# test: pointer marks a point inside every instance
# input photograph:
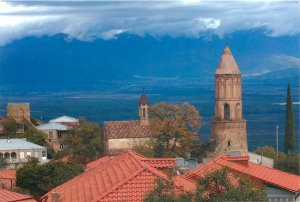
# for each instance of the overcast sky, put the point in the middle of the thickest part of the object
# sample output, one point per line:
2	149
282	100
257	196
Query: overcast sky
90	20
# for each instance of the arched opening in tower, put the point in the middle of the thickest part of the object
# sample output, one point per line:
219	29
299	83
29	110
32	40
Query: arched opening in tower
226	111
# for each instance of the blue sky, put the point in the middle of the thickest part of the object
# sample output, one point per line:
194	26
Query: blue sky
89	20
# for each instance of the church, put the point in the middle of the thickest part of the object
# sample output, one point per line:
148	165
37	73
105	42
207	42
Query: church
122	135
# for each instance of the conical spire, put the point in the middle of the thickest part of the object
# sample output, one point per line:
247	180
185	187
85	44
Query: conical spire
143	100
227	63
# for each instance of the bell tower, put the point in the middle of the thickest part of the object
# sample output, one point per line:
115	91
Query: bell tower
228	128
143	110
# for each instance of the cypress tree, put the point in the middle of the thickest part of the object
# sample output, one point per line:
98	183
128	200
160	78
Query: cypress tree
289	139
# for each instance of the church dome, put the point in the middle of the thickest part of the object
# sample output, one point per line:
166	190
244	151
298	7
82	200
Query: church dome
143	100
227	65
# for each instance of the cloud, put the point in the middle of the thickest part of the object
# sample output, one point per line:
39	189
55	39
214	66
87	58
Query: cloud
88	20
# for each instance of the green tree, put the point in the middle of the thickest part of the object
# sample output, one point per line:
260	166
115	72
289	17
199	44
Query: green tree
10	127
85	143
164	191
289	138
289	163
267	151
174	126
34	136
39	179
220	186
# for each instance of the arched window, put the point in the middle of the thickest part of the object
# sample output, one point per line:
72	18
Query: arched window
226	111
238	114
1	156
6	155
13	155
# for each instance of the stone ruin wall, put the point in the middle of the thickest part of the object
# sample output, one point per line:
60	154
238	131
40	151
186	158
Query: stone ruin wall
18	111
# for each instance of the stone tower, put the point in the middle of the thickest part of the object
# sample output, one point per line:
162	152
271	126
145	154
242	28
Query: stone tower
228	128
18	111
143	110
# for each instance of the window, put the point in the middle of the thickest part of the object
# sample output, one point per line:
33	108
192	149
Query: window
228	143
61	146
13	155
21	155
58	134
226	111
28	154
144	113
50	134
43	153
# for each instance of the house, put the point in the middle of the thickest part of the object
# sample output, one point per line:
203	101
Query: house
7	179
16	151
122	135
280	186
55	133
66	120
10	196
126	177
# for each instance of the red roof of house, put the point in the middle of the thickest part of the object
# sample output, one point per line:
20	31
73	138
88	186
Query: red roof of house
126	129
9	196
126	177
8	174
242	165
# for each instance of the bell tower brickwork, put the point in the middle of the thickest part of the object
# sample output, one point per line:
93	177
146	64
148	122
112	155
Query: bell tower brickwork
143	110
228	128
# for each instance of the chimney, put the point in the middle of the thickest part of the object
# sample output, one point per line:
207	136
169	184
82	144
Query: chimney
55	197
8	140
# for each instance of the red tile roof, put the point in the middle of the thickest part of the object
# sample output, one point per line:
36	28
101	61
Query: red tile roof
9	196
240	165
126	177
126	129
8	174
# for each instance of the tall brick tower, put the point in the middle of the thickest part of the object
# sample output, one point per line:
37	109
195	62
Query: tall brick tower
228	128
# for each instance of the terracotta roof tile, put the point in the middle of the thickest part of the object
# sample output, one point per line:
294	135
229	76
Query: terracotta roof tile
126	129
126	177
9	196
267	175
8	174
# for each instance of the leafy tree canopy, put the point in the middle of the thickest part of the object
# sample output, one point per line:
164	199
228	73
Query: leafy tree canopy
10	127
34	136
165	192
289	163
85	143
219	185
39	179
175	126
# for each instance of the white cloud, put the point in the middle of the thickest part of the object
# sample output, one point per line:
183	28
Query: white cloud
86	20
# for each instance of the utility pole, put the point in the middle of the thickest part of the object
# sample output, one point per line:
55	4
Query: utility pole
277	127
